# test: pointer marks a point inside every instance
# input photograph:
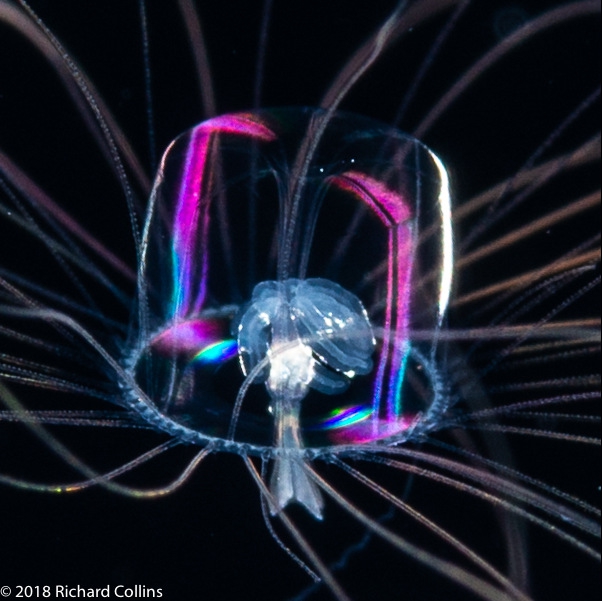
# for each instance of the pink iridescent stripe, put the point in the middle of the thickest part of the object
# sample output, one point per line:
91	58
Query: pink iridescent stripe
392	209
191	220
388	205
398	280
375	429
188	337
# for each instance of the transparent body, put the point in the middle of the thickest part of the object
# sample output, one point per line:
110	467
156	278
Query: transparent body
332	353
501	382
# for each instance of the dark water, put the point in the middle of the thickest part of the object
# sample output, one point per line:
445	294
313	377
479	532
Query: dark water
208	541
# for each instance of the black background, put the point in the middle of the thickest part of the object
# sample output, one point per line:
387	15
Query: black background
208	541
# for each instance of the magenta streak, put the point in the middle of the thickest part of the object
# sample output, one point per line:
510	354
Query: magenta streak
192	208
393	211
384	354
186	218
379	428
403	247
188	337
387	204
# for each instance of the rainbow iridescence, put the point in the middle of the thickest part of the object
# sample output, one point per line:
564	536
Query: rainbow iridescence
290	295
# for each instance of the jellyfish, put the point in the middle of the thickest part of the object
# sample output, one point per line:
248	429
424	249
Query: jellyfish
356	338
